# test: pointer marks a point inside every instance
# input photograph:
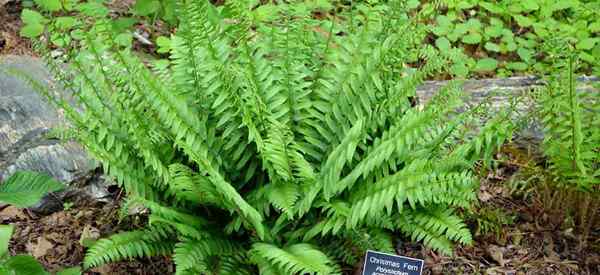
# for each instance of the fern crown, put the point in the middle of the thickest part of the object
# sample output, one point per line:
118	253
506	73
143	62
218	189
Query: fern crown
296	136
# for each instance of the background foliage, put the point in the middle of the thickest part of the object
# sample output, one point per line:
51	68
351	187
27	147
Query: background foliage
509	36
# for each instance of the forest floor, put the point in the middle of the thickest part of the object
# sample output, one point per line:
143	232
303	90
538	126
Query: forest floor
515	234
521	227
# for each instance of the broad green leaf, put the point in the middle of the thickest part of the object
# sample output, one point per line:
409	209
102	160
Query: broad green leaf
491	7
587	57
493	31
443	44
265	13
6	232
25	188
491	46
587	43
69	5
511	46
25	264
461	29
443	25
474	25
49	5
525	54
32	17
594	27
123	23
523	21
70	271
60	40
496	22
540	29
169	12
412	4
164	44
563	5
146	7
65	22
32	30
77	34
463	5
517	66
124	39
529	5
459	69
515	8
93	9
486	64
472	38
596	51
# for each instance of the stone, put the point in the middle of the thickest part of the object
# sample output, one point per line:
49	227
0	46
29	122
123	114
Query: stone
500	92
25	121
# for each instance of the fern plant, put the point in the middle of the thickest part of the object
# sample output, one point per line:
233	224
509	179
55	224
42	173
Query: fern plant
570	115
571	134
286	146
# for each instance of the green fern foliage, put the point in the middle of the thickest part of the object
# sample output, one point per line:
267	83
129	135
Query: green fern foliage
128	245
261	144
299	258
570	119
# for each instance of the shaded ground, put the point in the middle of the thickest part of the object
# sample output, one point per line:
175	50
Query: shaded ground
516	232
513	234
10	24
58	240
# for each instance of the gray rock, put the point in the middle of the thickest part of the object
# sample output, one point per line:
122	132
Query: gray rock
25	120
500	92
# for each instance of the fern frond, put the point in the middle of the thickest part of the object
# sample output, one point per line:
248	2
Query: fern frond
195	254
187	185
432	239
128	245
297	258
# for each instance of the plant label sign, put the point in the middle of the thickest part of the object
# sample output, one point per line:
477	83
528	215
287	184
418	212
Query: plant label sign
377	263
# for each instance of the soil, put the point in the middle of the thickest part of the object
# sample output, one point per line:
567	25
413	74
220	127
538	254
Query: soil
538	240
10	24
58	240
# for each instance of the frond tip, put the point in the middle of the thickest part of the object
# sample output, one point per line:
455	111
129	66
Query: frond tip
128	245
297	258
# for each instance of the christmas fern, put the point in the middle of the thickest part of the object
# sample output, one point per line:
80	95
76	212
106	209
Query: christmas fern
571	134
281	146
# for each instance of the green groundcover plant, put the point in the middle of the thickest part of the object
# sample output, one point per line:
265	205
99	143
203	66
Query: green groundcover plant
285	145
66	21
507	36
25	189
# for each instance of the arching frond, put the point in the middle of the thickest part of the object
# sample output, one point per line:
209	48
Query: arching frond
297	258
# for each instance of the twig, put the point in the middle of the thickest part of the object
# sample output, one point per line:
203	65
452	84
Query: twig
140	38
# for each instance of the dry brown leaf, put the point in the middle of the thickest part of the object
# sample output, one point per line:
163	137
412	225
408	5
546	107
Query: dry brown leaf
41	248
496	253
484	196
11	212
89	235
